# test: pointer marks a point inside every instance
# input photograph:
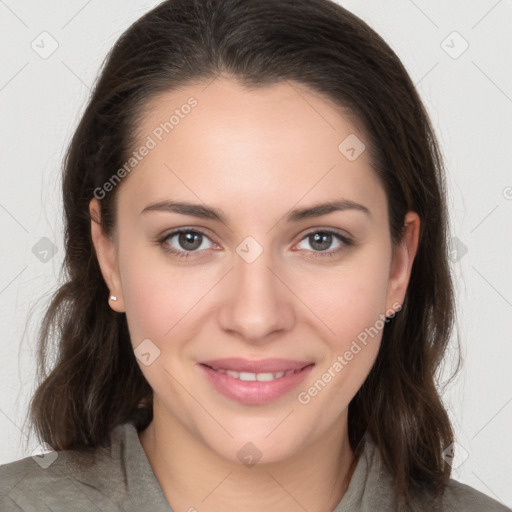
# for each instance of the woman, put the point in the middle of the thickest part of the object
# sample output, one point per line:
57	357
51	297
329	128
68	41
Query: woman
258	293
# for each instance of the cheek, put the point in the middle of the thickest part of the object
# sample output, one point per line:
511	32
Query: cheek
157	296
159	306
351	307
355	331
348	299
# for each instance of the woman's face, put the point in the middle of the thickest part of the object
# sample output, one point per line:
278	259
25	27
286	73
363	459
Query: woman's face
257	274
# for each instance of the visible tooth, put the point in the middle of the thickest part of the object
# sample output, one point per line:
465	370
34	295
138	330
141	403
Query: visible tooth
251	377
263	377
247	376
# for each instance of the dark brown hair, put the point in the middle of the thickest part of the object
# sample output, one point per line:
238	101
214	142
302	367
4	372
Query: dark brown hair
94	382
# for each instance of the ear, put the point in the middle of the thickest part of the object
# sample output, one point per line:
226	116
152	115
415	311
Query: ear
107	257
402	260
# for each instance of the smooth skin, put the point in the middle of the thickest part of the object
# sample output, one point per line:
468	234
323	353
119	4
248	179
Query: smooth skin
254	155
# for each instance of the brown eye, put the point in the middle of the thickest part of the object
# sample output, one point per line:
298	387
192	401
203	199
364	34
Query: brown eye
324	243
320	241
184	241
190	241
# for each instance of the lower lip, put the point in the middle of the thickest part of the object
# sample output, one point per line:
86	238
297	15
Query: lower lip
255	392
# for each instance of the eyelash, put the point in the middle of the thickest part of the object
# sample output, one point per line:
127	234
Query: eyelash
347	242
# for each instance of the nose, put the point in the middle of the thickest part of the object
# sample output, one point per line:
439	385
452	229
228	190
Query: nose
258	303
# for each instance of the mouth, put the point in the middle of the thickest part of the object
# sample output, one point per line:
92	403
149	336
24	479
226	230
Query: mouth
269	365
255	382
255	377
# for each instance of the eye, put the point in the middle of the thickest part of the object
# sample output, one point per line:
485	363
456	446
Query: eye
321	242
186	241
181	242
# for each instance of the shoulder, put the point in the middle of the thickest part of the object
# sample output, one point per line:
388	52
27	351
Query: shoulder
41	483
461	497
372	488
30	481
64	480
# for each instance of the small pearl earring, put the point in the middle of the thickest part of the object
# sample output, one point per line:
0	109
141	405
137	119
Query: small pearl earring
113	297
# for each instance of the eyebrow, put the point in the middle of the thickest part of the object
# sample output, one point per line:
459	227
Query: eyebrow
208	212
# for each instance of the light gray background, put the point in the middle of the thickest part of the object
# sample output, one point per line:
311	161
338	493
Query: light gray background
469	98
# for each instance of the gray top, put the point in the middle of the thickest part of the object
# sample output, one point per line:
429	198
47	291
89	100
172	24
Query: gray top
122	480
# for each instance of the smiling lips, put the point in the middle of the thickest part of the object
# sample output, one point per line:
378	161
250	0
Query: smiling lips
255	382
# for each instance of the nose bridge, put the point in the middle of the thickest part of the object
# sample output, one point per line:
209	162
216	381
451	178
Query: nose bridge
257	304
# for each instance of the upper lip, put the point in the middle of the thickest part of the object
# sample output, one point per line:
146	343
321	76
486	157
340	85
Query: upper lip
239	364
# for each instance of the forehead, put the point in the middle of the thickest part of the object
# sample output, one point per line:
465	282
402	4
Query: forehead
249	148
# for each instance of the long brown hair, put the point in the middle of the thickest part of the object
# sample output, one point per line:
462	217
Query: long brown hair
94	382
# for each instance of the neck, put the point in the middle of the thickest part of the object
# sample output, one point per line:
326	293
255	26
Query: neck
193	477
